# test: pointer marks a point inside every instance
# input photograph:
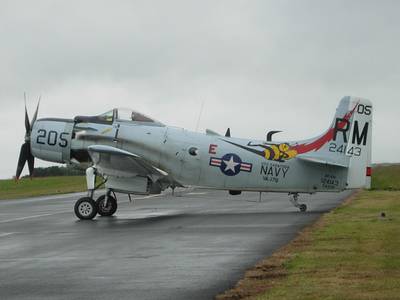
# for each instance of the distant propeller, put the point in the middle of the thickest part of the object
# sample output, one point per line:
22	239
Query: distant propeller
25	154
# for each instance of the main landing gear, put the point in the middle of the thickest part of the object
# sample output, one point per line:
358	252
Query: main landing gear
86	208
294	199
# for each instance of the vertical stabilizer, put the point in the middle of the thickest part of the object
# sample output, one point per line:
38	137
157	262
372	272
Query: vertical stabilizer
346	143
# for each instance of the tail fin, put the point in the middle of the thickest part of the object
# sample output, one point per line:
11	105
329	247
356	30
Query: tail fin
347	142
359	146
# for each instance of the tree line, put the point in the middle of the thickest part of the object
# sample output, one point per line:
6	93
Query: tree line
58	171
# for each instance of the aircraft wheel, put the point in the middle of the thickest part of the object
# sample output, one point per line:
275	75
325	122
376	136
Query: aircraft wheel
303	207
85	208
110	209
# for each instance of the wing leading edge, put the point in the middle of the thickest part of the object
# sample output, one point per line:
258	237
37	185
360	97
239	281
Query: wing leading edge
116	162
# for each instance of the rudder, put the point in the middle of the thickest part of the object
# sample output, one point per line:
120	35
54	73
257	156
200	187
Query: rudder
359	147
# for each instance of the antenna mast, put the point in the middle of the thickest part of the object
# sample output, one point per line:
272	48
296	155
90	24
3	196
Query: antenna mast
198	120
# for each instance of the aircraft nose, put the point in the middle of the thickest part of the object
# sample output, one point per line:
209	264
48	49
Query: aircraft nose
51	139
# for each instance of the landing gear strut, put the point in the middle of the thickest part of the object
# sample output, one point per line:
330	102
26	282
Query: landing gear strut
294	200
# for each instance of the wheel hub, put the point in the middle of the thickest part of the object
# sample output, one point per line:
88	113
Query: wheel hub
85	209
104	207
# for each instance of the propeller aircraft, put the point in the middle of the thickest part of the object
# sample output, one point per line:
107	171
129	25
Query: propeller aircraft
135	154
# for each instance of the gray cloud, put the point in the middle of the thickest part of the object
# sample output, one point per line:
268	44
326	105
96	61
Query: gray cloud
258	65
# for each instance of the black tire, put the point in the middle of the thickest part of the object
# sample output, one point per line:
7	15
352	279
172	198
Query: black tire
85	208
111	207
303	207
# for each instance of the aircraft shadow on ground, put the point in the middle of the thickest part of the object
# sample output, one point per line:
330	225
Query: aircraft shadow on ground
118	222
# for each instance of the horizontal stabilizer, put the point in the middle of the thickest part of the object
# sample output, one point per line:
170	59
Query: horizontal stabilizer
321	161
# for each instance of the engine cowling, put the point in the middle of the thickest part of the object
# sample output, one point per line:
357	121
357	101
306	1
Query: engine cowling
51	139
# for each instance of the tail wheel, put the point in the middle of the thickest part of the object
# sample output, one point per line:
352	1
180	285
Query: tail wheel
303	207
85	208
108	210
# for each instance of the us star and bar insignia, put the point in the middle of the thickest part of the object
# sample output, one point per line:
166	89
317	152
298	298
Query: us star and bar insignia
231	164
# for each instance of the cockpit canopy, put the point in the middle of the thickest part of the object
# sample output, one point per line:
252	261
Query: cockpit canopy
120	114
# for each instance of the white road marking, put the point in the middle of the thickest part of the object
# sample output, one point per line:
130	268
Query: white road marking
30	217
42	198
6	234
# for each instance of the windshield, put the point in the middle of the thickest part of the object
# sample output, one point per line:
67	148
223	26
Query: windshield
107	116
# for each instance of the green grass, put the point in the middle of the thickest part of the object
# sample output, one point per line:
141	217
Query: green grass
386	177
354	255
10	189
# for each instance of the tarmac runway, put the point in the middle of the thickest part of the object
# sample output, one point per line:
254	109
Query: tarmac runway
193	245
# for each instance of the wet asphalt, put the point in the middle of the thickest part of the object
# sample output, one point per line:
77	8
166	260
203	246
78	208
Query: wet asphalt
191	245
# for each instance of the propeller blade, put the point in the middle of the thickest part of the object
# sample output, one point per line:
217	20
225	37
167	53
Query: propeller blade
36	113
23	156
31	163
27	123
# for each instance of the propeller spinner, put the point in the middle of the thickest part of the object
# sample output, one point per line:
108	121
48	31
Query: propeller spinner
25	154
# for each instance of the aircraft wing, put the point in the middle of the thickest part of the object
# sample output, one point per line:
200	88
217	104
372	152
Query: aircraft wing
120	163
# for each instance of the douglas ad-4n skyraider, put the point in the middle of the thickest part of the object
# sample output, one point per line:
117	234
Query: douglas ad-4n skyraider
135	154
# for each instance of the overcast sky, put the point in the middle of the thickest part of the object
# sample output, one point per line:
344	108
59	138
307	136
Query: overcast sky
257	65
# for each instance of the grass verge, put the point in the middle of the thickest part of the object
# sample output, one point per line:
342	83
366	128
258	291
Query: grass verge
350	253
386	177
11	189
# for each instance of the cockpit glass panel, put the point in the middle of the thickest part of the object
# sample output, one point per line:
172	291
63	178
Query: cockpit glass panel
131	115
119	114
138	117
107	116
124	114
